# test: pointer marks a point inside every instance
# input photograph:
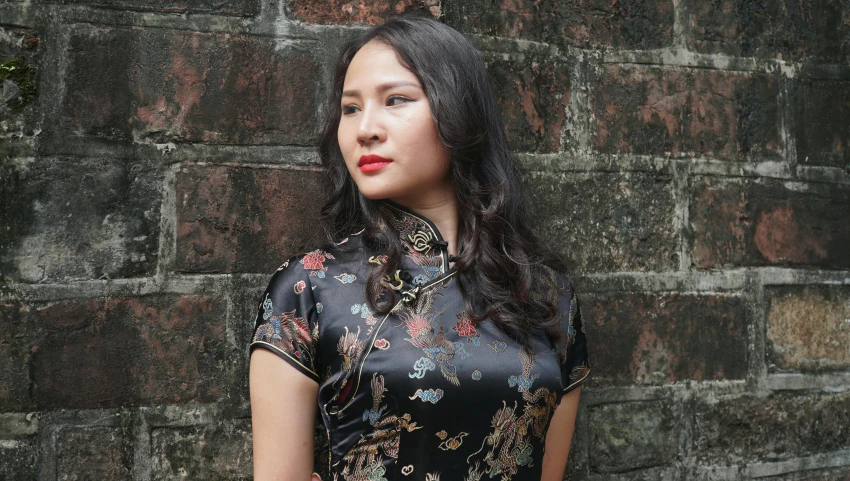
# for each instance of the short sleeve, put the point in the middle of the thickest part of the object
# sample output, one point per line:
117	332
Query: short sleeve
574	361
287	320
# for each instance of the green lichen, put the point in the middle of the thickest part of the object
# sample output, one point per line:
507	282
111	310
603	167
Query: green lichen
23	74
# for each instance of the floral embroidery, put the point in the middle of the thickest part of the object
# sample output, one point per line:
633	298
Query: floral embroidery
442	434
314	262
476	375
299	286
498	346
464	326
382	344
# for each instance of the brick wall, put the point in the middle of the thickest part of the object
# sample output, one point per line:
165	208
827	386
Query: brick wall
691	159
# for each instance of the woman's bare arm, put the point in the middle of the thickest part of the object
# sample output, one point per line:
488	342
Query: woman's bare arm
559	437
283	418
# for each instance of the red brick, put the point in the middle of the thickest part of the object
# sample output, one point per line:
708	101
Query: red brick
370	12
808	328
98	98
122	351
651	110
746	223
242	8
782	29
94	453
630	24
156	85
239	219
664	338
533	95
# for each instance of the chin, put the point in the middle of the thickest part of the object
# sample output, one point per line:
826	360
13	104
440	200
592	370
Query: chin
374	194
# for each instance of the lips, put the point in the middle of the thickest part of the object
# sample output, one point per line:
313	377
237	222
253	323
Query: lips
372	163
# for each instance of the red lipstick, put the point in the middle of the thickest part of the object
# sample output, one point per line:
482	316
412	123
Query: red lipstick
372	163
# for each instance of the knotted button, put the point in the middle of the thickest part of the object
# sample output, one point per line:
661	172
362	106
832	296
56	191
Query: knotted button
438	243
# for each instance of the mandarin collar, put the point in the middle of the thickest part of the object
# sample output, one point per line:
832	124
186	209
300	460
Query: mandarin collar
422	241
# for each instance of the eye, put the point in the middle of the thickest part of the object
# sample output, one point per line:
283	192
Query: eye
396	100
349	109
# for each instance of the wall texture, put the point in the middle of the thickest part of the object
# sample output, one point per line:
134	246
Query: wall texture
691	158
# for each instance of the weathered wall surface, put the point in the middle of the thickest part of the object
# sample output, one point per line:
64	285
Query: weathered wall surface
691	159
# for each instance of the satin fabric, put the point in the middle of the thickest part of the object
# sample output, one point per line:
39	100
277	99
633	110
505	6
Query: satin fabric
419	393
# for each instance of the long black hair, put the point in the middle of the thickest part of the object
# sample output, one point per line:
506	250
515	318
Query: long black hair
500	262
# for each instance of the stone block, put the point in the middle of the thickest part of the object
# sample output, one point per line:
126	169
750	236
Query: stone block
533	92
839	474
822	122
663	111
242	219
737	222
808	328
664	338
216	452
18	335
129	351
370	12
626	24
633	435
607	222
772	428
69	219
94	453
816	30
155	86
19	80
19	459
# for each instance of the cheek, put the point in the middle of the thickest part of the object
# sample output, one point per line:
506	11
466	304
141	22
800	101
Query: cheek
343	138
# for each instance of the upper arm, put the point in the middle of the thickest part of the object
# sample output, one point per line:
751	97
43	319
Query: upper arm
283	377
574	366
559	437
283	418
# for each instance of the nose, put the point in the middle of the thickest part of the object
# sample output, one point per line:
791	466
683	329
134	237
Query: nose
370	128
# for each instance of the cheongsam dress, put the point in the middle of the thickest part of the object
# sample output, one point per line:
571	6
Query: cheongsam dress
420	393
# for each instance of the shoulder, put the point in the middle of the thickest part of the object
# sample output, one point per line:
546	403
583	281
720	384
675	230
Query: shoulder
556	284
312	264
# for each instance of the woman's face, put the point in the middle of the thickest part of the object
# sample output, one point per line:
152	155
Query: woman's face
386	133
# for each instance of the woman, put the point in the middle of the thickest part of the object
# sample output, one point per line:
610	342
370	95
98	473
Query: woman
436	338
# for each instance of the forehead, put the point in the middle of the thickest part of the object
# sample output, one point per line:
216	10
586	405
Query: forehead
376	63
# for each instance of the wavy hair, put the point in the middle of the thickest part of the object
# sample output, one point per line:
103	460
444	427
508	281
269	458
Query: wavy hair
500	264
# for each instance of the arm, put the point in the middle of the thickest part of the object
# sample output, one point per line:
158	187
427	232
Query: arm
559	437
283	418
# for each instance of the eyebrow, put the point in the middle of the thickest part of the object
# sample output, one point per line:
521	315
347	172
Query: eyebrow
383	87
